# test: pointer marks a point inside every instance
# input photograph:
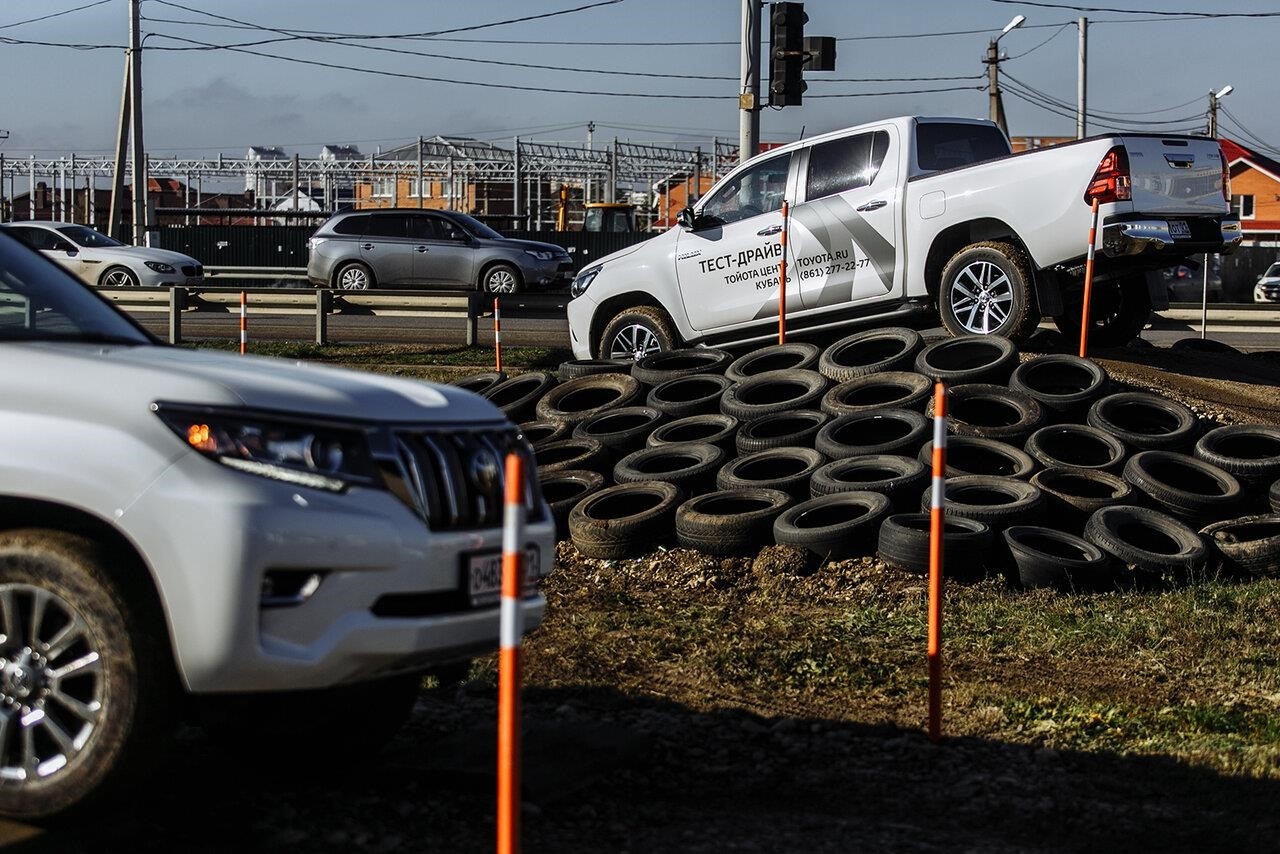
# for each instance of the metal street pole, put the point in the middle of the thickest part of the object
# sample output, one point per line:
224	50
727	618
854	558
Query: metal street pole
135	108
749	97
1082	112
114	223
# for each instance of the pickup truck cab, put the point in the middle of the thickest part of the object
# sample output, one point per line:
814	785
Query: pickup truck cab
188	529
912	216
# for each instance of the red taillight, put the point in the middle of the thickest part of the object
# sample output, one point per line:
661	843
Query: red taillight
1111	181
1226	176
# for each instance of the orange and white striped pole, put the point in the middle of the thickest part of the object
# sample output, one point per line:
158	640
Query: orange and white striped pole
1088	282
497	335
510	630
937	527
782	279
244	321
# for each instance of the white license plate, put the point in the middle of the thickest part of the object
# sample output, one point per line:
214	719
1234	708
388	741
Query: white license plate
1179	230
484	575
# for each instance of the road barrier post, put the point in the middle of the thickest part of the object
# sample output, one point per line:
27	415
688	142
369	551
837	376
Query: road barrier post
244	321
1088	283
937	529
177	304
324	303
473	318
511	629
782	279
497	336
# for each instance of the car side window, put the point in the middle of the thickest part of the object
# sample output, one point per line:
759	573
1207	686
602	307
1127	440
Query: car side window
352	225
845	164
388	225
756	190
36	238
423	227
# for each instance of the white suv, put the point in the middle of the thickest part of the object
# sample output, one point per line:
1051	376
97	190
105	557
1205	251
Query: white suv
184	524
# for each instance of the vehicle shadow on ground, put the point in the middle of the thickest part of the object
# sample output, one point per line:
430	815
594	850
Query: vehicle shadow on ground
609	772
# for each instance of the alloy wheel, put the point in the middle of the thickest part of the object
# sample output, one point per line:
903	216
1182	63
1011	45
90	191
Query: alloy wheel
501	281
353	279
981	297
634	342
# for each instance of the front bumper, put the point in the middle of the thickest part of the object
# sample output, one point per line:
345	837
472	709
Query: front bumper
1175	236
557	273
580	312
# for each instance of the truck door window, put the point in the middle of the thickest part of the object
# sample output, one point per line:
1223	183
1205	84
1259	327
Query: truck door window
845	164
756	190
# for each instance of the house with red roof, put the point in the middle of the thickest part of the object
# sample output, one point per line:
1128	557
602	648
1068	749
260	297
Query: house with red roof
1255	192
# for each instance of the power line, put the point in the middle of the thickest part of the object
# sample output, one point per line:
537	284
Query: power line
1262	143
1056	33
1105	114
12	41
1161	13
1069	113
54	15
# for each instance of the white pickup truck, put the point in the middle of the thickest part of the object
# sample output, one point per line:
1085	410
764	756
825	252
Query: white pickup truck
915	215
282	546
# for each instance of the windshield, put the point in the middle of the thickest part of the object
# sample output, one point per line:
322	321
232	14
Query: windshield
476	227
85	236
41	302
1273	272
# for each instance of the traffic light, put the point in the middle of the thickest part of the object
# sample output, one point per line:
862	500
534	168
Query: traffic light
786	54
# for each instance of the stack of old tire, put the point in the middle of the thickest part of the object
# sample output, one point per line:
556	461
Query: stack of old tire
1053	477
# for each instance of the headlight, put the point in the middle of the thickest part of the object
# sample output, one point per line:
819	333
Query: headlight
540	254
321	456
583	281
160	267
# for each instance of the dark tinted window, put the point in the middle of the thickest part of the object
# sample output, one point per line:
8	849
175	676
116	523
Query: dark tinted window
945	146
352	225
757	190
39	238
846	164
388	225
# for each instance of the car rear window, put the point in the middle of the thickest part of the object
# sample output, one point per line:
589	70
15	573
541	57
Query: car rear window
940	145
352	225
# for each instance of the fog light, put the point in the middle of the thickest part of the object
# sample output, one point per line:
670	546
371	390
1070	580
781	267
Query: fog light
284	588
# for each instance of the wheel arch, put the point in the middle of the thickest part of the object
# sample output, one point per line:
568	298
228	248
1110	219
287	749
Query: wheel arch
116	265
952	239
498	262
610	308
351	262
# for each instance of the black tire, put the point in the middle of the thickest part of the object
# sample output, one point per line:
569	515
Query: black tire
624	520
966	545
897	389
577	400
539	433
1204	345
714	429
481	382
1251	452
691	467
564	489
986	289
118	276
1118	310
997	501
968	359
899	479
1273	496
1183	486
1045	557
836	526
1075	446
501	280
773	391
1071	496
787	469
572	369
108	751
974	455
729	521
1154	547
871	352
656	368
571	453
1249	545
1145	422
777	357
875	431
637	332
698	394
991	412
517	396
1064	385
621	431
795	429
353	276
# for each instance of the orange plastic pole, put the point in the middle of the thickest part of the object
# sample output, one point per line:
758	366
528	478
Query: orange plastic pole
244	321
497	336
1088	283
782	280
937	525
509	632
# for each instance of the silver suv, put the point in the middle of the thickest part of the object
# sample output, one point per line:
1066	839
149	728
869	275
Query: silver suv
395	247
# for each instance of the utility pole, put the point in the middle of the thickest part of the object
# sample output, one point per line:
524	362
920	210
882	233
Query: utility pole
135	111
1082	63
995	104
1214	98
114	224
749	97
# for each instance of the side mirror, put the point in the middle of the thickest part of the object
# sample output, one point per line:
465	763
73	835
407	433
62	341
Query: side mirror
685	219
71	251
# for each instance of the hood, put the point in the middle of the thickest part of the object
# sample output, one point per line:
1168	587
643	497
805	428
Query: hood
628	250
534	244
140	253
109	379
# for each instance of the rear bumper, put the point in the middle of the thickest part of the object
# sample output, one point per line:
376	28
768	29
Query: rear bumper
1176	237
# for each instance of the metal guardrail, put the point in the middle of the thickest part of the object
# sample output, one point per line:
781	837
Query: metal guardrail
274	273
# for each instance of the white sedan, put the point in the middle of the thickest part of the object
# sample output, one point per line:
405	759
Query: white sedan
98	259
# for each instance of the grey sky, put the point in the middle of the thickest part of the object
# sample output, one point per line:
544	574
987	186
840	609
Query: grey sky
60	100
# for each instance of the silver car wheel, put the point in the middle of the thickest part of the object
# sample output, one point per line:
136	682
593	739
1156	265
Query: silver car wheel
981	297
500	280
634	342
119	277
353	278
52	686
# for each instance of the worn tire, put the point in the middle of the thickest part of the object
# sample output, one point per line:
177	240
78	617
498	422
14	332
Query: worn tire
572	369
975	455
637	332
577	400
714	429
481	382
656	368
836	526
873	351
1118	309
518	396
1072	495
1251	452
729	521
987	289
773	391
691	467
1145	422
571	454
1249	545
1075	446
1063	384
787	469
794	429
898	478
776	357
1183	486
1046	557
968	359
966	545
563	489
1273	496
997	501
697	394
501	280
624	520
991	412
1154	547
539	433
897	389
874	431
621	431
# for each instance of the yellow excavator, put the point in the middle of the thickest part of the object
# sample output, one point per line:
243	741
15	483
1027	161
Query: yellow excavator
613	217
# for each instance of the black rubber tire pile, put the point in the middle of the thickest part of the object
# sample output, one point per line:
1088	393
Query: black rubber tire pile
1054	479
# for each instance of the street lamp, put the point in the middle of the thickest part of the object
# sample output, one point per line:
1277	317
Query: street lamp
1214	98
995	104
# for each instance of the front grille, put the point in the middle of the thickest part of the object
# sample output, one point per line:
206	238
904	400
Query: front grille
455	479
191	271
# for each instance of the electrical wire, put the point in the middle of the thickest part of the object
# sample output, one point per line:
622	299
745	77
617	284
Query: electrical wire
1124	117
1068	113
8	40
1140	11
1262	143
54	15
1056	33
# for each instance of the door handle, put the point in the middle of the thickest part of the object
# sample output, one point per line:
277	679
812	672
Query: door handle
873	205
419	249
366	245
773	229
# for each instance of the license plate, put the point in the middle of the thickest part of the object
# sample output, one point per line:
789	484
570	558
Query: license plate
1179	230
484	576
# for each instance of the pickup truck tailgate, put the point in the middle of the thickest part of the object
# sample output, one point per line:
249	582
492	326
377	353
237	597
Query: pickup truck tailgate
1175	175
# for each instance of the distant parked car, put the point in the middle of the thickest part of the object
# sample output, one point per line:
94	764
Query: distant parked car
1268	287
1187	285
391	248
97	259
